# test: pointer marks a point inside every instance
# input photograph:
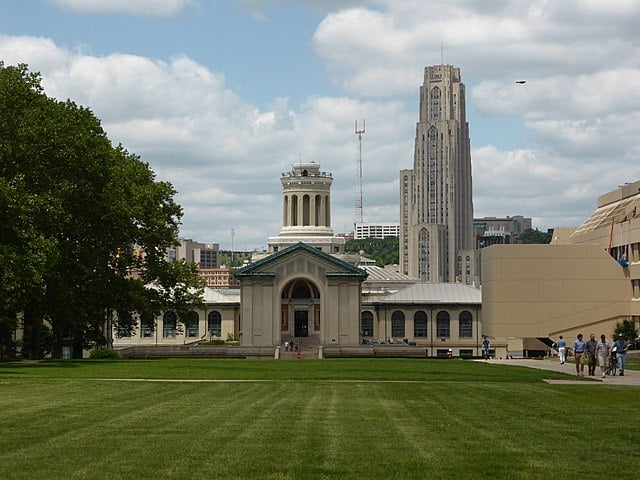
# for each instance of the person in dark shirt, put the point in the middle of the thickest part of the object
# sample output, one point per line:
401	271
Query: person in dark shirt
590	348
621	346
485	348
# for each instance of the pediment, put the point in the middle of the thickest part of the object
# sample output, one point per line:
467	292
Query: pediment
300	257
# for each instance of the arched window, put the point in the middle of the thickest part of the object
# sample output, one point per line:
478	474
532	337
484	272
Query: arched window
146	328
300	288
317	211
285	211
169	324
466	324
435	105
192	325
306	210
294	210
434	175
366	324
420	324
125	325
397	324
443	324
423	255
214	324
327	211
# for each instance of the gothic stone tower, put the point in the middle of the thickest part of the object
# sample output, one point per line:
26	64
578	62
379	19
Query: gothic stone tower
436	208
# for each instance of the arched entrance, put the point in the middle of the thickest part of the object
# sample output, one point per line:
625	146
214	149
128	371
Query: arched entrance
300	307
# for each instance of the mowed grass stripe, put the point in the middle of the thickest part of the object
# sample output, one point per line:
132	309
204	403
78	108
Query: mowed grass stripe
445	420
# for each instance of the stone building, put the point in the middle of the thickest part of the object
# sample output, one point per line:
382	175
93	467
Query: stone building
308	290
436	208
300	292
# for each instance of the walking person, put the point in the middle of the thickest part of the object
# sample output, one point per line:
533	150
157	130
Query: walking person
485	348
603	350
621	346
579	347
590	349
562	350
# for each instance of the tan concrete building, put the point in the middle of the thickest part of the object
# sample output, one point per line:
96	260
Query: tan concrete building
586	280
204	255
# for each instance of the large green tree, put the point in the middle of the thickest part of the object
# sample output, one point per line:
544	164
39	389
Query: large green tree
626	328
385	251
84	225
535	236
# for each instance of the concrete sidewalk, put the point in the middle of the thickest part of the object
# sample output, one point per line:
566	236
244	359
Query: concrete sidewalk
631	377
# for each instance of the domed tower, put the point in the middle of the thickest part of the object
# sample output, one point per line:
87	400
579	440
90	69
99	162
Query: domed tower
306	210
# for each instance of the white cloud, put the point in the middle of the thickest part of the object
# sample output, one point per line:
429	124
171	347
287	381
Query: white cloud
581	102
490	40
580	107
135	7
223	155
33	50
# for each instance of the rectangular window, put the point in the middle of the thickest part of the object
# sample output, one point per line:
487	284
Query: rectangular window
169	331
124	331
442	329
466	353
397	331
420	329
192	331
466	329
146	331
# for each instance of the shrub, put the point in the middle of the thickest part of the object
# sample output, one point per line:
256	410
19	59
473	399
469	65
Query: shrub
104	353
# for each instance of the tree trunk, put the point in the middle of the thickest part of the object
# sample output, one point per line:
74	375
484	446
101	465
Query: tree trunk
32	333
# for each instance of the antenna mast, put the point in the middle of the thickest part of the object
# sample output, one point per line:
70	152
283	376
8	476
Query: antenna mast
359	213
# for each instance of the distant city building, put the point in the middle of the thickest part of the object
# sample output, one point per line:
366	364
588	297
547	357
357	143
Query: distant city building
436	208
376	230
205	255
494	230
219	277
347	236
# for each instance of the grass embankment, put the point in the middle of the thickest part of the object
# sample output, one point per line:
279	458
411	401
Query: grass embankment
331	419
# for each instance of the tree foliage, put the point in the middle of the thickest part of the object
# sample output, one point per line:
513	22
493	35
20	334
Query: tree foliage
84	225
385	251
628	330
535	236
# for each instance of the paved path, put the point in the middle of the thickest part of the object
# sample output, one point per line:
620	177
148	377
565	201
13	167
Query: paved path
631	377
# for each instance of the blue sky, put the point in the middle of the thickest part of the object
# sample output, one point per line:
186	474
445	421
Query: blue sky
221	96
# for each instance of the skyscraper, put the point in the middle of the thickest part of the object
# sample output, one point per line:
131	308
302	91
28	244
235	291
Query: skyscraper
436	207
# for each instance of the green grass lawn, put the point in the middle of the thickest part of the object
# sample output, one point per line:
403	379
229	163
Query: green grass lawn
310	419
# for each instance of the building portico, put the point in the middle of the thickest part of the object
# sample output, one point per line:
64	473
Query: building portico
300	292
